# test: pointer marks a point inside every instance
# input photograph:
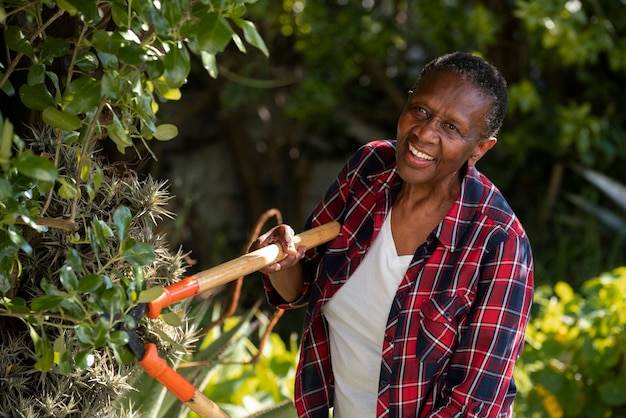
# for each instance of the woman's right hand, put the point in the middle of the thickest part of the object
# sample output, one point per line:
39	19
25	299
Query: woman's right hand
281	235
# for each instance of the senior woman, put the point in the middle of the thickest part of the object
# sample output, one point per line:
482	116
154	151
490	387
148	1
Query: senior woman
418	308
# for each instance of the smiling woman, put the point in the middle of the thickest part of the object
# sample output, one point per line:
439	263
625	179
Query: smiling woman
461	274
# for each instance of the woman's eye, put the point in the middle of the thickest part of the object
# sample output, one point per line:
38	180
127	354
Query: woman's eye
420	111
451	127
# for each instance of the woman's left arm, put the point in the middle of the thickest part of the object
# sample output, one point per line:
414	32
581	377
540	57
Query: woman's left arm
479	379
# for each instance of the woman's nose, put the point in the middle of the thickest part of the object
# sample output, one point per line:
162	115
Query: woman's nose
427	130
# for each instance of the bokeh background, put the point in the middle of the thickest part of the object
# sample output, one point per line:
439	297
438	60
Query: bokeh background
273	132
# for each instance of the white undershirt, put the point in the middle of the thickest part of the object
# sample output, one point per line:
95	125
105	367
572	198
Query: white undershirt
357	316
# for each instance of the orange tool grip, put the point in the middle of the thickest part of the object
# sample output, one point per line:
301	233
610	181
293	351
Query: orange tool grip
176	292
158	368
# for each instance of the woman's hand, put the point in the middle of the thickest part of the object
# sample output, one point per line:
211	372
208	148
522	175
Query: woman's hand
281	235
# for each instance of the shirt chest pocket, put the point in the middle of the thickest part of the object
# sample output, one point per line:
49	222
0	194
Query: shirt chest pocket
439	320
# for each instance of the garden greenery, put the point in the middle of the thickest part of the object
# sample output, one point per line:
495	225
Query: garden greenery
77	233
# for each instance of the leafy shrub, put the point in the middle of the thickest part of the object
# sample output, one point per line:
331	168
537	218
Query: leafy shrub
78	240
574	362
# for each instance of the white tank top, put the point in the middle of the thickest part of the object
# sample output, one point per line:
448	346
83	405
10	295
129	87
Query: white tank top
357	316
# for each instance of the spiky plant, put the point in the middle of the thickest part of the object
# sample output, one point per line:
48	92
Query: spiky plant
58	357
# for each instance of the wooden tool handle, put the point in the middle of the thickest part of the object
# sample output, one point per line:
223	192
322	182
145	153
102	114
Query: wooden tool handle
240	266
205	407
263	257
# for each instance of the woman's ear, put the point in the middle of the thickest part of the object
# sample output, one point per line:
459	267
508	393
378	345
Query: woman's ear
481	149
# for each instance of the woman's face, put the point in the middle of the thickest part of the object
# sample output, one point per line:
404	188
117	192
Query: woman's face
440	129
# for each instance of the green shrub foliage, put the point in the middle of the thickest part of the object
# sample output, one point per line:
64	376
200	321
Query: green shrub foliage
574	362
78	246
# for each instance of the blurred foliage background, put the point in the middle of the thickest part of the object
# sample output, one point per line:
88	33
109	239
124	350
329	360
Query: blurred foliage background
337	76
258	132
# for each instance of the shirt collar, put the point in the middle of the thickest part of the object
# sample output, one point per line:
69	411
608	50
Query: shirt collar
459	218
463	212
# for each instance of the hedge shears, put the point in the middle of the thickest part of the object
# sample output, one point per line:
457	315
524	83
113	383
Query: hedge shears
148	355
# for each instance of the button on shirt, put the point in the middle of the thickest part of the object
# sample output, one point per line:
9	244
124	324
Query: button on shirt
456	324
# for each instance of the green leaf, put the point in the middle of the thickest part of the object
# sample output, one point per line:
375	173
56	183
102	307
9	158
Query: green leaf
84	333
35	167
73	260
69	279
36	74
84	359
6	145
93	241
113	300
53	48
140	254
150	294
122	218
108	61
101	332
15	40
107	42
17	238
102	231
154	68
68	7
61	119
119	338
82	95
65	362
6	189
72	309
251	35
166	131
144	109
98	177
237	10
209	63
215	33
17	304
112	83
176	65
87	10
87	60
36	97
50	288
59	345
90	283
118	134
171	318
67	190
7	87
132	54
46	354
173	10
46	303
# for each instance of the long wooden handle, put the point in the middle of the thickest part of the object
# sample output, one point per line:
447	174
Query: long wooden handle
263	257
240	266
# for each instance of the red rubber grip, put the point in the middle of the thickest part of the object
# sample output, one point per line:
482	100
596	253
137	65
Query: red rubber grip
173	293
158	368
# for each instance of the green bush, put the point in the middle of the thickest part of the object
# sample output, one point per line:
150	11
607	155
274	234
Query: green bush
78	241
574	362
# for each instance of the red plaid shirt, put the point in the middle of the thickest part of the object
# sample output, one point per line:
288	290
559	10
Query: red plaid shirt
456	325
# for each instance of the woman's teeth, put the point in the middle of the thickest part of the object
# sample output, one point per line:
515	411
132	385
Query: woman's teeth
420	154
